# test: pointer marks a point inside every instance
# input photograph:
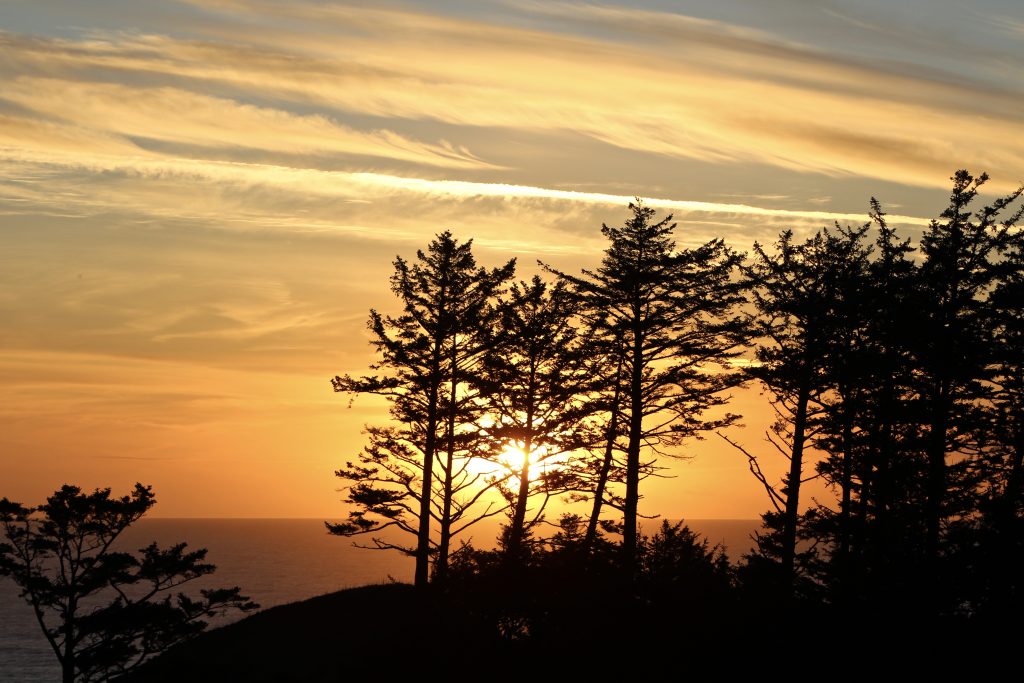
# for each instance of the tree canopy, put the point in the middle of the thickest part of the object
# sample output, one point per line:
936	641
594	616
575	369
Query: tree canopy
891	364
104	611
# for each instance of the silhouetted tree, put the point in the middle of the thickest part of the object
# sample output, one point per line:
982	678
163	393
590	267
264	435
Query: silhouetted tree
995	537
596	471
871	431
681	570
1008	378
804	295
556	603
913	417
952	359
536	379
102	610
419	471
675	311
609	366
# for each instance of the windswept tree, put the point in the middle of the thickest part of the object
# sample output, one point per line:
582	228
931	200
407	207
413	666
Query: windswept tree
536	379
870	433
952	361
1002	465
417	471
805	295
601	463
675	311
104	611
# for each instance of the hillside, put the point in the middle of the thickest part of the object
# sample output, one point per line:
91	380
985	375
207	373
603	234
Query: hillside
386	629
389	632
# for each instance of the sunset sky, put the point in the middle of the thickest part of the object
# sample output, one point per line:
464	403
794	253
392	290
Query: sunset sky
201	200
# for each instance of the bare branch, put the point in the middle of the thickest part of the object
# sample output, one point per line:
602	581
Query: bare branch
777	500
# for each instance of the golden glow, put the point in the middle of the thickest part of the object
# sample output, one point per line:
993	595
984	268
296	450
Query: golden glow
197	213
676	95
514	457
509	463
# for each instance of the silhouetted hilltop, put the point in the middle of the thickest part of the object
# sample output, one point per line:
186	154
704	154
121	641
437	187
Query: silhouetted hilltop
391	631
383	628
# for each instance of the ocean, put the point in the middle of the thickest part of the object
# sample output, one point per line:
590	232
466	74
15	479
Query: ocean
274	561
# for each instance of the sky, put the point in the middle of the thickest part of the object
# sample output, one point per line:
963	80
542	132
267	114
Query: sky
200	200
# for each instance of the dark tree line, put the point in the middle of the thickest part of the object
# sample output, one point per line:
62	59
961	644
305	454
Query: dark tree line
889	365
892	365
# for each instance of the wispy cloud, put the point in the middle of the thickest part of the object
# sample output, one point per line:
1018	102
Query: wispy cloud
109	115
364	187
714	92
198	207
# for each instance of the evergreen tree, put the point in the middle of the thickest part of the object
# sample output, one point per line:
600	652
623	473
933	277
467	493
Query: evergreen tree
952	359
603	462
102	610
916	409
870	431
430	355
675	312
536	380
805	295
997	535
1007	453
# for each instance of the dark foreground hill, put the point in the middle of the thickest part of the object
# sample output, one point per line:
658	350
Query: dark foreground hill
390	632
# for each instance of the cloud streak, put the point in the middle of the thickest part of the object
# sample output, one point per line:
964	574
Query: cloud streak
109	115
706	90
303	184
199	204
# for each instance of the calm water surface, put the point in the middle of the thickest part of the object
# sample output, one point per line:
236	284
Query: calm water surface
275	561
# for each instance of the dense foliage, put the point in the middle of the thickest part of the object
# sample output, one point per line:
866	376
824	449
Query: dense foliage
893	366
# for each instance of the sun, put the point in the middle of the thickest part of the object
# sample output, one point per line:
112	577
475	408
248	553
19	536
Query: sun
510	462
513	457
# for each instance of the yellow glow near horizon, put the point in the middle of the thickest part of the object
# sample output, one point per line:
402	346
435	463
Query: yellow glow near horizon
200	200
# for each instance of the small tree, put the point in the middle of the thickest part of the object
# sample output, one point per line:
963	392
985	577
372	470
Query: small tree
104	611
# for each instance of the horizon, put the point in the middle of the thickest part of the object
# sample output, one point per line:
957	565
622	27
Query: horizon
636	333
198	215
321	519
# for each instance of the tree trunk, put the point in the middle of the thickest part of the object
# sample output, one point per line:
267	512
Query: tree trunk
602	482
516	530
517	527
792	512
422	577
883	484
936	476
846	484
606	465
636	417
444	546
67	660
846	503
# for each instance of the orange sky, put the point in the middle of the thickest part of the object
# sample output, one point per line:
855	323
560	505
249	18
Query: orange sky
200	201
